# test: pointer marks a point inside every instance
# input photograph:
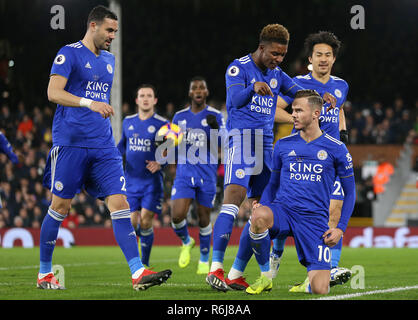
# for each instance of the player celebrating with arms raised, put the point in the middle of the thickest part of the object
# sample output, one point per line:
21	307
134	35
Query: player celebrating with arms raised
144	177
84	154
296	200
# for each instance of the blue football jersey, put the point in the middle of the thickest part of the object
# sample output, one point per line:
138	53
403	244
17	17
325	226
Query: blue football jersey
195	159
258	112
308	171
88	76
329	121
7	149
138	144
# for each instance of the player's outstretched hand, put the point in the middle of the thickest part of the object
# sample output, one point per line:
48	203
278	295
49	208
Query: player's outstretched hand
262	89
153	166
329	98
332	236
103	108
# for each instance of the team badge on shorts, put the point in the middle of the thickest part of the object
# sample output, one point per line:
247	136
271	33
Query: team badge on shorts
58	185
322	155
240	173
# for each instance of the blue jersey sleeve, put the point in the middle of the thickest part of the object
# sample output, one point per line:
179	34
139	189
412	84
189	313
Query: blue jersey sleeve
63	62
345	172
236	88
6	148
122	143
289	87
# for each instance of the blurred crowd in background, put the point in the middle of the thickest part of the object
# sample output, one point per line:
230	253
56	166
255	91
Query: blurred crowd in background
25	200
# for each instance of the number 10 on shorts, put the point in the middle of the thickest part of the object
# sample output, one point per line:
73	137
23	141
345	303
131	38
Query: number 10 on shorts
324	254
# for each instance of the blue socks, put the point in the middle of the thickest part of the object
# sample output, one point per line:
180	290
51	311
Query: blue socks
147	239
278	246
126	238
222	231
204	239
244	250
48	237
336	254
260	244
181	231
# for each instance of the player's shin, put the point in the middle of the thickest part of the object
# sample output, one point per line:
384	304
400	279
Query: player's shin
260	244
126	238
147	239
49	232
205	235
181	231
221	233
336	254
243	255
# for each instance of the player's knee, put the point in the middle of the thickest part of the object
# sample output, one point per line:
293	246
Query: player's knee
117	202
60	205
145	221
320	286
260	220
234	194
320	289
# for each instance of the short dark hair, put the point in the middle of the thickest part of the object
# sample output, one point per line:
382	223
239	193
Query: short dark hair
147	85
322	37
314	99
197	78
99	13
274	33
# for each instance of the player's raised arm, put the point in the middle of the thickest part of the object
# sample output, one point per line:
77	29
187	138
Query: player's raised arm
57	94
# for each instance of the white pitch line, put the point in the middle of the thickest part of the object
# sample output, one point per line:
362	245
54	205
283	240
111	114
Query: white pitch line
355	295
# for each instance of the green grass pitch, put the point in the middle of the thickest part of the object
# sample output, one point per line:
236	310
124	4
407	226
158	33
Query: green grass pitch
101	273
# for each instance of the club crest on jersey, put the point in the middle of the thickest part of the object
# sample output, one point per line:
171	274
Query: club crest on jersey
349	158
273	83
338	93
151	129
240	173
204	123
322	155
60	59
233	71
109	68
173	191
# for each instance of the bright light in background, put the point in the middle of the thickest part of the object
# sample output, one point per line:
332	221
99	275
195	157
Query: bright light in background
11	63
310	67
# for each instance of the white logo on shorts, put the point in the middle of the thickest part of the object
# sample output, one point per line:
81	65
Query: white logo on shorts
240	173
322	154
58	185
